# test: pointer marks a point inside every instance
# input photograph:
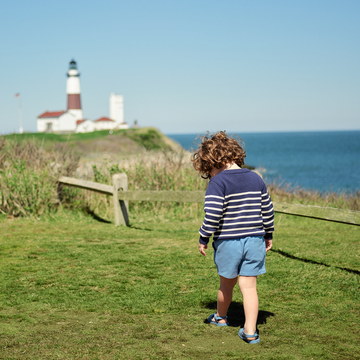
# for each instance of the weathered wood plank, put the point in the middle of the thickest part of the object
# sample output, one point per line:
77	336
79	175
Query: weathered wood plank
162	195
88	185
317	212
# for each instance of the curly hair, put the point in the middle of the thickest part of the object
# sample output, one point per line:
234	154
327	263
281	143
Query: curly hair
215	151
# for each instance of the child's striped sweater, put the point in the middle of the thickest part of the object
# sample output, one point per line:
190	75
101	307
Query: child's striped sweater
237	205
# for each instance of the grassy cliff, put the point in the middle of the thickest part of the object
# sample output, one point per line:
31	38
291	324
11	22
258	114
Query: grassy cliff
127	141
30	164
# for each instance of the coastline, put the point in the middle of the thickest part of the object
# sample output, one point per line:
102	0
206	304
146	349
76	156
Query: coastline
324	161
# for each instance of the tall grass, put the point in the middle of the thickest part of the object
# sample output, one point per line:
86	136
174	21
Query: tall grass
162	170
28	176
284	192
29	173
173	171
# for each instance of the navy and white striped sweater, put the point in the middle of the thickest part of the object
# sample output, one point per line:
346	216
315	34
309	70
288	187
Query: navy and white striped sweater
237	205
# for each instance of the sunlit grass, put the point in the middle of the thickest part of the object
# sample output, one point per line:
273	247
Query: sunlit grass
72	287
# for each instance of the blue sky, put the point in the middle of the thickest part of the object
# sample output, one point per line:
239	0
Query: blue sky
186	66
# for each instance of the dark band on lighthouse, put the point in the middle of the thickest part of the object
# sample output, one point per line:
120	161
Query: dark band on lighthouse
73	101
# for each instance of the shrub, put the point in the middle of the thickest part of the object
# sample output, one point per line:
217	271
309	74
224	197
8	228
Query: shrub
28	176
149	138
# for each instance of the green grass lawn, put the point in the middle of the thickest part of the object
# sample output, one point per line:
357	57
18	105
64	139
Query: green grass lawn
76	288
148	137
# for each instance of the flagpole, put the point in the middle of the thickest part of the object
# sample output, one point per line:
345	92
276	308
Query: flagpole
20	116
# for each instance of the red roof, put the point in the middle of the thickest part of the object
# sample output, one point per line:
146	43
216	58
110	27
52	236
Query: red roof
78	122
104	118
50	114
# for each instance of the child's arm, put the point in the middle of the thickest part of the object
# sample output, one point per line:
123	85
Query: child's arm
202	248
214	201
267	211
268	244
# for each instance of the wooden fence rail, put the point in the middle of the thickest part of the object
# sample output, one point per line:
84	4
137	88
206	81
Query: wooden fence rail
122	196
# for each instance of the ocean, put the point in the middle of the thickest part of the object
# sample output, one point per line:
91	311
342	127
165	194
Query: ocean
324	161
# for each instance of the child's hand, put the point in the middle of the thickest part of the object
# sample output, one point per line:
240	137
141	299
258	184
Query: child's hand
268	244
202	249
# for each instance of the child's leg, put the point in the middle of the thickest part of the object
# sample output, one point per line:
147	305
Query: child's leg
225	296
247	286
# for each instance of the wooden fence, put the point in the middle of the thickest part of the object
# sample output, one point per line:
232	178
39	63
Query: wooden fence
122	196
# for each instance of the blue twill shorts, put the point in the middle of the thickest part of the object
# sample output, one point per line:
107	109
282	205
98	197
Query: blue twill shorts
244	256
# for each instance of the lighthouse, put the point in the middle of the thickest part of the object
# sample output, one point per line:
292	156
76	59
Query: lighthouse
72	119
73	91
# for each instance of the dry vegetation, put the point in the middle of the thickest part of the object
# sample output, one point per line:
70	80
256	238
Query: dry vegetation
28	176
29	173
288	193
153	170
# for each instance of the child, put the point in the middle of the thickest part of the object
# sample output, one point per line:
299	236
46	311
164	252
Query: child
240	216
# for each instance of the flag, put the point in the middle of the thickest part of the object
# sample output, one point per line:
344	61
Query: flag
17	95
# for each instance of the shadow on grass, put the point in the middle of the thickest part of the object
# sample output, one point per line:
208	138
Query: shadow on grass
96	217
90	212
139	228
283	253
236	314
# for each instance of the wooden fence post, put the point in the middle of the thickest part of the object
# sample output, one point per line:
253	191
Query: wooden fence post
121	207
60	192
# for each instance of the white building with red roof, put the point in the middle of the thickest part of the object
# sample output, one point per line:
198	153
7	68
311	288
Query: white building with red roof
104	123
84	126
56	121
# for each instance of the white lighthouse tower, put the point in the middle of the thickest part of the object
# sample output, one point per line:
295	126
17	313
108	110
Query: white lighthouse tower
73	91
